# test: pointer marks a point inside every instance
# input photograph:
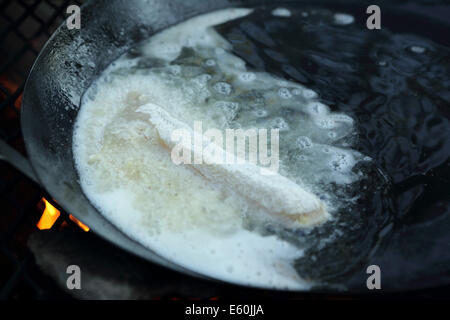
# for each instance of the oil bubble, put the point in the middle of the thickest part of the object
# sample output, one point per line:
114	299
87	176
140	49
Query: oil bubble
304	142
325	123
280	123
210	62
260	113
309	94
343	19
417	49
247	77
223	88
317	108
281	12
284	93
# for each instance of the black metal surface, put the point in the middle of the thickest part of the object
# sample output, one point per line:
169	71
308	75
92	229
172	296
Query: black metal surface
25	26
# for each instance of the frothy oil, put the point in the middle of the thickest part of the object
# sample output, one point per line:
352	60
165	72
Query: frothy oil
129	176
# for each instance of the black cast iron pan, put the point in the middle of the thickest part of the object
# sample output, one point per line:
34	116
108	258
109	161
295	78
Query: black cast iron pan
69	63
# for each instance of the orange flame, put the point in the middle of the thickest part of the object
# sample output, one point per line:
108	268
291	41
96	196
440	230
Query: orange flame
79	223
51	214
49	217
12	88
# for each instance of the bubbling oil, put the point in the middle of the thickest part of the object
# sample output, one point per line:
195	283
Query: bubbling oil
190	70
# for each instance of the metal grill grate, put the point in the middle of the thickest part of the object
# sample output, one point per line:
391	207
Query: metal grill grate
24	28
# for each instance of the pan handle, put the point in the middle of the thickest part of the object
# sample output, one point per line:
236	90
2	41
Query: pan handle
18	161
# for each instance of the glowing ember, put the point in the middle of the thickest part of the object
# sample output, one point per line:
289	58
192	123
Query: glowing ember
79	223
51	214
49	217
12	87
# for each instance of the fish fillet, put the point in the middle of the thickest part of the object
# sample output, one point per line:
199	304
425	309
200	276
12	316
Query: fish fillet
275	193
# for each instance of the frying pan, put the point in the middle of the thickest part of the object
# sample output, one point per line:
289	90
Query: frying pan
65	68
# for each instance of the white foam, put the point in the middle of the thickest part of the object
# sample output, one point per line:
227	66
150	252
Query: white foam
129	176
281	12
417	49
343	19
167	45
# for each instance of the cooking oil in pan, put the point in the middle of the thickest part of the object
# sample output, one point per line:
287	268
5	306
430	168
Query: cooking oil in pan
229	70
